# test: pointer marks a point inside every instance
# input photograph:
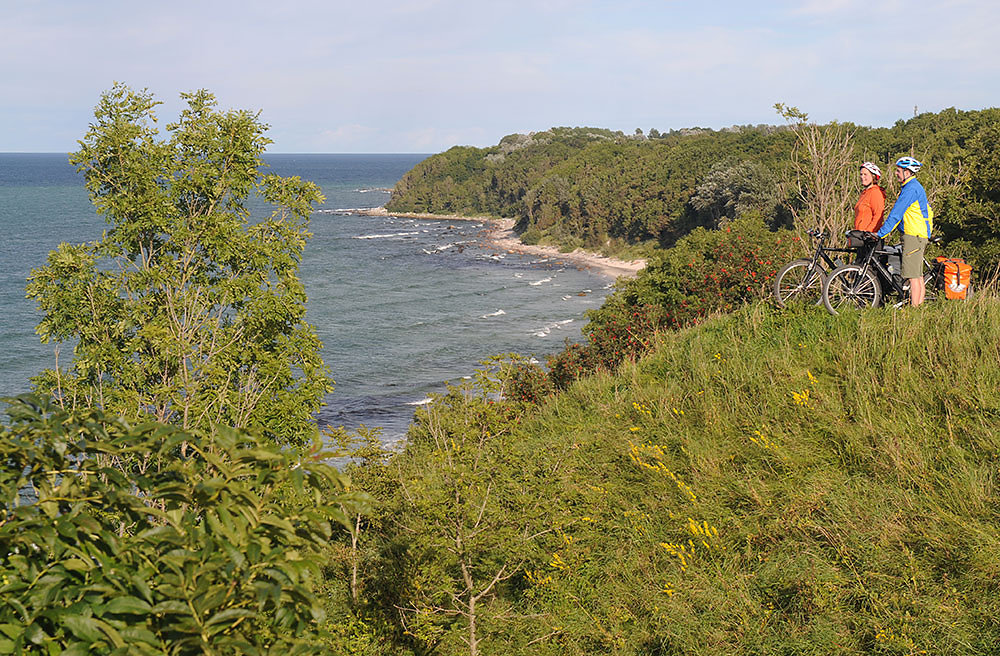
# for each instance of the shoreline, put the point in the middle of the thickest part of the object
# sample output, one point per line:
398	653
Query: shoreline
500	234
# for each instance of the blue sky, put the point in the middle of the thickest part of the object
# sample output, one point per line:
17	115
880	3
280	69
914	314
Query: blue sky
424	75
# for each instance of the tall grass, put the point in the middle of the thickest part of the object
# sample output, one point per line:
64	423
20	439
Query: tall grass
776	483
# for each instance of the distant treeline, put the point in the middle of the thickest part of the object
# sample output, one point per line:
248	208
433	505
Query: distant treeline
606	190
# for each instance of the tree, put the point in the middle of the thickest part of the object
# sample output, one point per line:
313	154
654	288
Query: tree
213	553
458	527
187	310
732	190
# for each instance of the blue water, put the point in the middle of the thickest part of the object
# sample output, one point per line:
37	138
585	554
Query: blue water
403	306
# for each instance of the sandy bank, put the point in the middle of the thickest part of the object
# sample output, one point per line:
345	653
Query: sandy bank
500	236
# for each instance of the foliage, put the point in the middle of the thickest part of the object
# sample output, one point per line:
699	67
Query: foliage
514	379
734	190
186	311
454	533
587	187
209	547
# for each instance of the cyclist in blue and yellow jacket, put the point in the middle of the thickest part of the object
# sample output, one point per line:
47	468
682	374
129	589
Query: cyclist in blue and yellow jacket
913	210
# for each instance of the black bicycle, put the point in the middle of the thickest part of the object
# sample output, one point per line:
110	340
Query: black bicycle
802	281
875	276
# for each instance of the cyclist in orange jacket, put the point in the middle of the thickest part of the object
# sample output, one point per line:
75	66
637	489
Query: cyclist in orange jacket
870	210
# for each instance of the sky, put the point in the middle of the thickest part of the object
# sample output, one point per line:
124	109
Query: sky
420	76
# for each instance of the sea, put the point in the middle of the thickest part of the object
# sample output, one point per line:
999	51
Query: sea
404	307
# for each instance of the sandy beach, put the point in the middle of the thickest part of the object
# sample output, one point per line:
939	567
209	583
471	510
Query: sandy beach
500	236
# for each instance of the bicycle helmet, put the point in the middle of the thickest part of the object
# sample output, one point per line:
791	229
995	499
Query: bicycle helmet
873	169
908	163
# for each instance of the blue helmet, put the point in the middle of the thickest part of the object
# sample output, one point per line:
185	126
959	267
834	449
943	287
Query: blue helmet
908	163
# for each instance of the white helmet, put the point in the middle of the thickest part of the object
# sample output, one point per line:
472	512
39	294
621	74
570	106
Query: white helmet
874	169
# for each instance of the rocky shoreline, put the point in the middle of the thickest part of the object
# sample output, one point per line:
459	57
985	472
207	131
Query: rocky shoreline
501	236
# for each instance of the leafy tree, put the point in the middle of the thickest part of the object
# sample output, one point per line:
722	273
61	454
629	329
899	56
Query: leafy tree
732	190
215	552
456	532
187	310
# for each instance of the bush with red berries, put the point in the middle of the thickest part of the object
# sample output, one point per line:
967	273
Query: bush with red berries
706	272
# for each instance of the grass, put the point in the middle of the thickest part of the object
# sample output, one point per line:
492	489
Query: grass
776	483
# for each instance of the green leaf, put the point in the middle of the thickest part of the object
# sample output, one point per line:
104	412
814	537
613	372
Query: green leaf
170	608
228	615
134	634
85	628
127	605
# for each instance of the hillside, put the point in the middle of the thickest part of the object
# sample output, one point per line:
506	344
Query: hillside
764	483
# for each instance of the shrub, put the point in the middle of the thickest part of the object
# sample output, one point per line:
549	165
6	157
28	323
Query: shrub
209	545
707	272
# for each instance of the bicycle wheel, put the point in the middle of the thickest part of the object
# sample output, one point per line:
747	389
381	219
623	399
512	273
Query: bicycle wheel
799	283
850	287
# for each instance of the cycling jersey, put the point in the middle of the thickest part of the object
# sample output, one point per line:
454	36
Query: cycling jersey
870	209
912	209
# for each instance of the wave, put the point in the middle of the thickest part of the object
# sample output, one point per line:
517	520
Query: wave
493	314
421	401
437	249
393	234
539	282
342	211
378	189
547	329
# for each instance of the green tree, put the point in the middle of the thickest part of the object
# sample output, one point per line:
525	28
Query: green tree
215	552
187	310
732	190
456	533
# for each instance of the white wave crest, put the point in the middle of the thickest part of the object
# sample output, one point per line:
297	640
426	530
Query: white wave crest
547	329
493	314
393	234
539	282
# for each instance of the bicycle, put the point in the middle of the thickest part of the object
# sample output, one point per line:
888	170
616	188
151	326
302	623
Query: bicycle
801	281
866	282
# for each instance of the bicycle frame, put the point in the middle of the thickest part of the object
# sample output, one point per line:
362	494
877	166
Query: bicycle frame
821	252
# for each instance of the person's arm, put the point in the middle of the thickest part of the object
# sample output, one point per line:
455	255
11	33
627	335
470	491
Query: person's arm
878	208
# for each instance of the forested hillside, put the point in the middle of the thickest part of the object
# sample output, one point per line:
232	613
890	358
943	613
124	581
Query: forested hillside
610	191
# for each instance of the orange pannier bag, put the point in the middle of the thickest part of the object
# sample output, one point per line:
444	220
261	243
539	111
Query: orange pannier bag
956	277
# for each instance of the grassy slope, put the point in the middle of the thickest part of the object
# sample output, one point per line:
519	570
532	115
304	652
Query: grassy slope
777	483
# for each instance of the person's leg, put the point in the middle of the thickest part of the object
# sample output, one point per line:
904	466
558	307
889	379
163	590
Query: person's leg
916	291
